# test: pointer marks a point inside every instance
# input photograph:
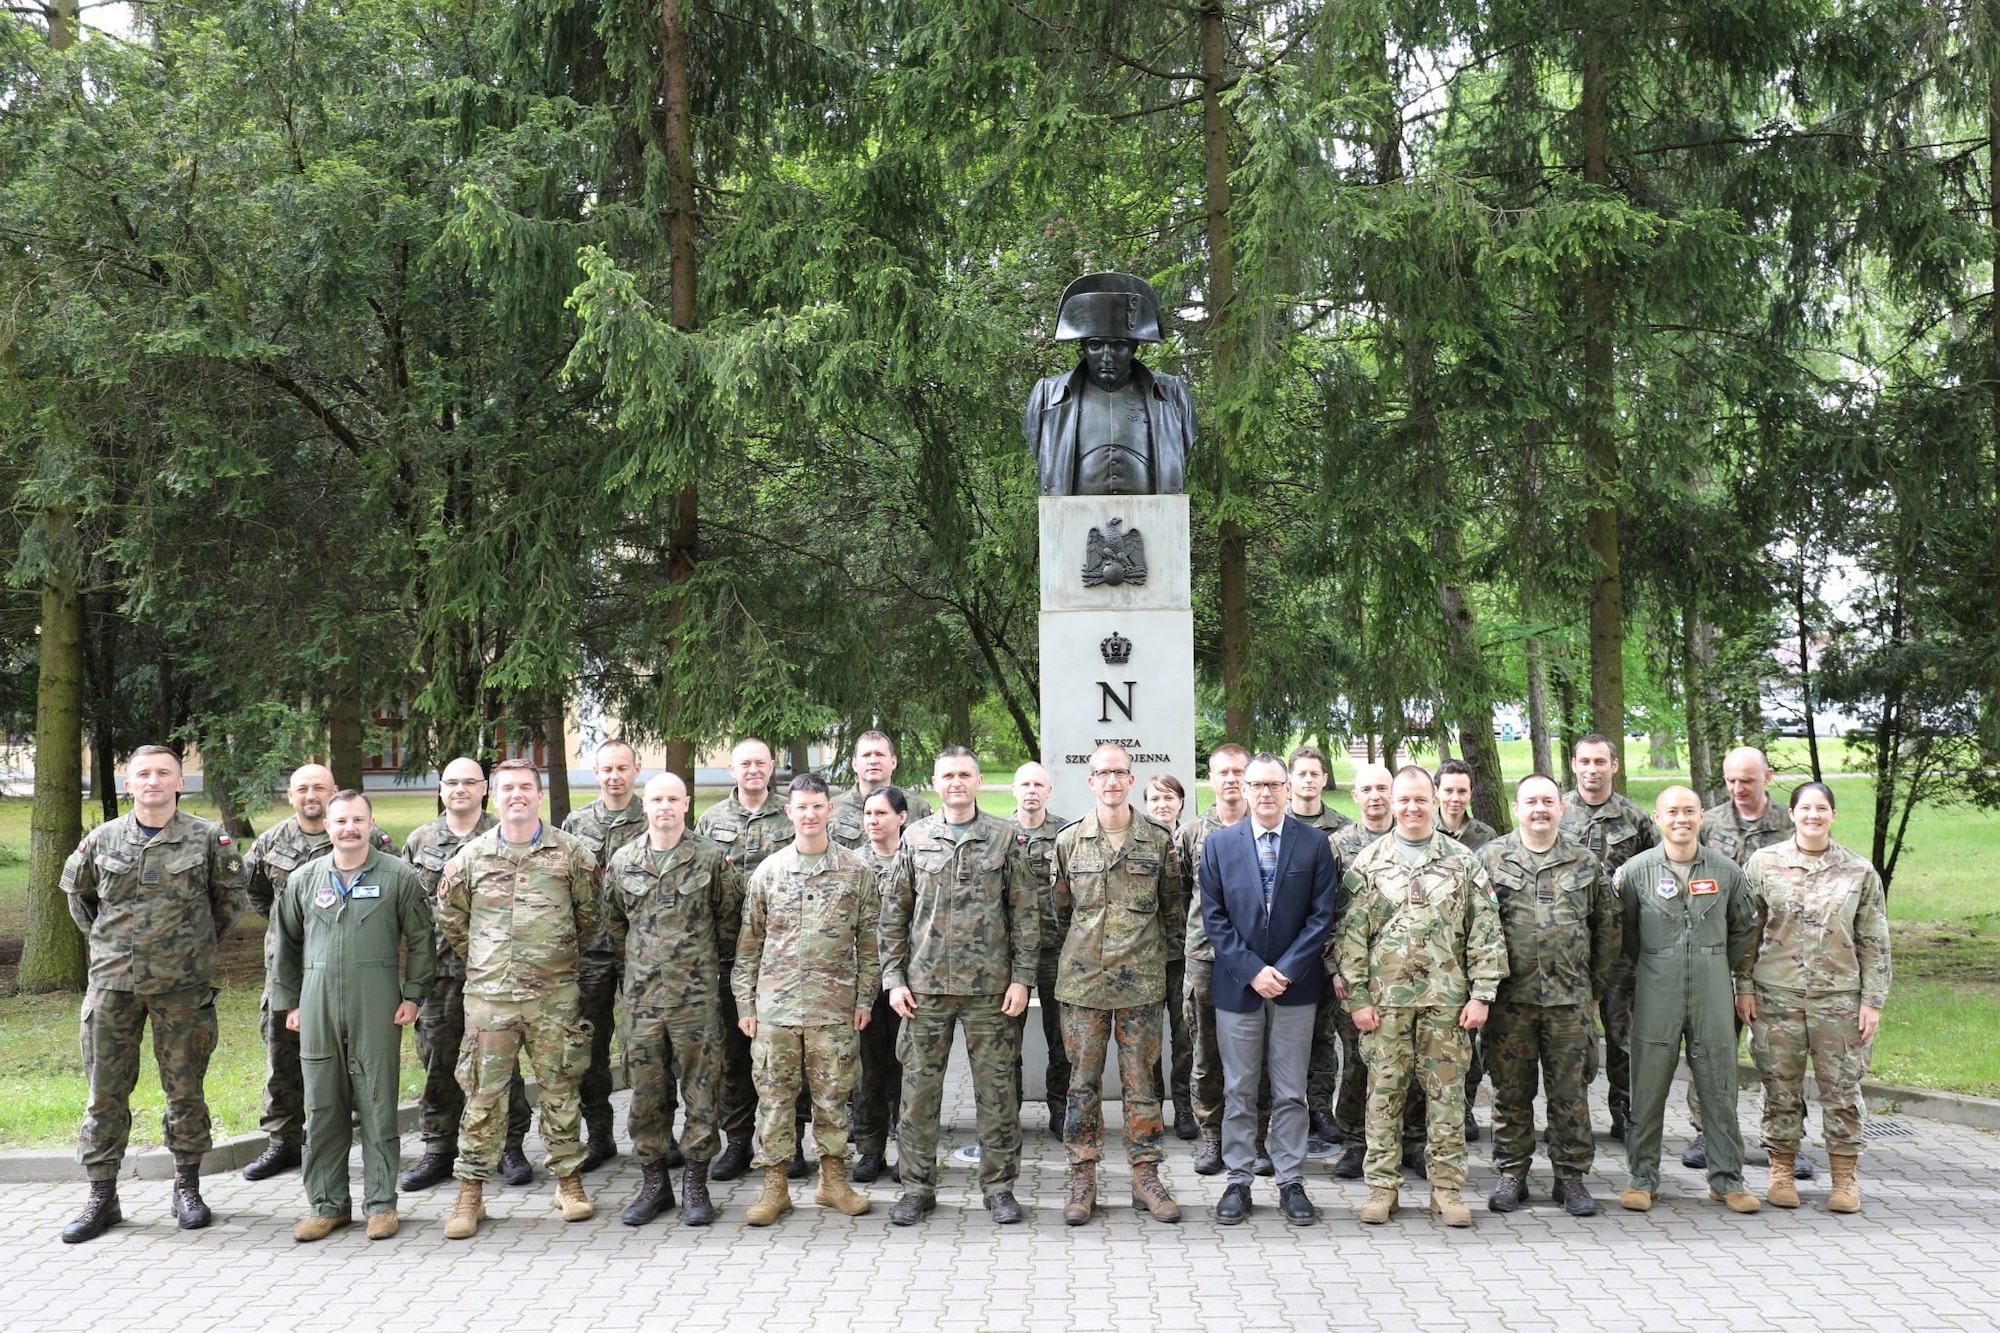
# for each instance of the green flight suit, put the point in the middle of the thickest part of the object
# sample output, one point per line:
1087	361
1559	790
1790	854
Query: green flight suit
339	936
1691	940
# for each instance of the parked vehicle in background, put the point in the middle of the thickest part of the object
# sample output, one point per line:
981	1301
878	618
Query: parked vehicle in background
1784	714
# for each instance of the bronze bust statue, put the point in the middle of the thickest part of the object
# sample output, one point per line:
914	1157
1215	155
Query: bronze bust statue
1111	426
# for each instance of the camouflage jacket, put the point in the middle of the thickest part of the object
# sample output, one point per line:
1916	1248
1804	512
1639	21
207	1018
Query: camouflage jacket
1725	831
1689	922
1826	923
1187	842
1560	920
962	913
1119	906
746	838
341	949
1038	848
518	915
279	852
1473	834
604	830
1423	935
154	908
428	849
808	954
844	824
1328	820
1615	832
1348	844
667	922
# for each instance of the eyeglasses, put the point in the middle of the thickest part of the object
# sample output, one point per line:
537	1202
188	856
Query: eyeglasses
1265	786
1124	773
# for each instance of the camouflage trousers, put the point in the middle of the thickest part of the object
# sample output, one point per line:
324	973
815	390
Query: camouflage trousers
597	979
556	1040
1087	1035
1205	1063
992	1048
1055	1077
665	1047
1179	1069
880	1090
113	1028
1428	1048
1524	1042
1792	1028
440	1033
823	1061
1618	1032
738	1102
284	1110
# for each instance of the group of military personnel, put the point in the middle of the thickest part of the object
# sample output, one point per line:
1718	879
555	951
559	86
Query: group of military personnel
806	959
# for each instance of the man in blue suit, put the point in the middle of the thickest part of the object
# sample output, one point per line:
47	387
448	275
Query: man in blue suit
1267	886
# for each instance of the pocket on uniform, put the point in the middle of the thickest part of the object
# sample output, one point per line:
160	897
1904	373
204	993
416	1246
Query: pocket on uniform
576	1045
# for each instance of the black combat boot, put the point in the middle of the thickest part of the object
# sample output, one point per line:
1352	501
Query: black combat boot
1471	1125
100	1211
190	1213
1695	1156
735	1159
656	1195
1322	1128
1057	1110
603	1147
1350	1163
433	1168
799	1167
1184	1125
278	1155
514	1167
1621	1116
868	1166
675	1158
697	1210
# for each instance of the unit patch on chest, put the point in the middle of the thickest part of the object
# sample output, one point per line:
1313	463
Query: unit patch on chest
1699	887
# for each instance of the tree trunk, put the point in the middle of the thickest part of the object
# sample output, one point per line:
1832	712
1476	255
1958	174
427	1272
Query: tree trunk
1989	708
1538	709
345	730
1600	444
1704	756
801	756
1567	733
556	738
958	725
52	950
1801	607
62	20
677	140
104	771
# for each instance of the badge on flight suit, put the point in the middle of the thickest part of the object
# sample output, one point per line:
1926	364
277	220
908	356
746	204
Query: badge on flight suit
1669	886
1700	886
325	896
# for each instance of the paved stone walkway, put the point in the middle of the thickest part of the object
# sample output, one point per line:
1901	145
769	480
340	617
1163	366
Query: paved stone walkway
1923	1255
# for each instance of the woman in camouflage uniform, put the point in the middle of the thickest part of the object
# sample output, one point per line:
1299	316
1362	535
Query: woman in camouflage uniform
880	1090
1822	977
1165	799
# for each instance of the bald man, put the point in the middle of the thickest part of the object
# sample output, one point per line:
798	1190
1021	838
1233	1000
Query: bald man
272	859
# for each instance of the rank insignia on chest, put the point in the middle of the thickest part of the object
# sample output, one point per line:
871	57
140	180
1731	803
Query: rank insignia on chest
1669	886
325	896
367	891
1700	886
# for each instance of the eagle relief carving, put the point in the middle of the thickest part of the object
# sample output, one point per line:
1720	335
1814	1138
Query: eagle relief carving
1114	556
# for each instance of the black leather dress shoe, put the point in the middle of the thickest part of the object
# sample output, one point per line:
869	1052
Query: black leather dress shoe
1235	1205
1297	1208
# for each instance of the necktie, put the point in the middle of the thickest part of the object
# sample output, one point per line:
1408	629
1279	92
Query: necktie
1267	863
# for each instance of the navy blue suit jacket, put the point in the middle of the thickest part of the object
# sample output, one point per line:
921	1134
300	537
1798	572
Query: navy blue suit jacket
1293	938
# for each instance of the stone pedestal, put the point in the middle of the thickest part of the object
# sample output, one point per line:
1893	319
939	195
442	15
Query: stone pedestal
1117	652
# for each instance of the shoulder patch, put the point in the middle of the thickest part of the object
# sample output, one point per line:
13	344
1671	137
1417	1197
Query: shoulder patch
222	839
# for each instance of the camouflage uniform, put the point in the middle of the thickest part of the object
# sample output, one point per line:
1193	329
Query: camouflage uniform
1561	925
746	838
1038	847
806	959
664	913
961	922
1726	832
272	859
1328	821
1416	942
879	1092
1824	954
518	916
153	909
602	830
441	1022
844	822
1122	900
1337	1078
1615	831
1473	834
1197	976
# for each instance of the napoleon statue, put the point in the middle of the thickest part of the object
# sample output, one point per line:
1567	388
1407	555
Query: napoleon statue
1110	426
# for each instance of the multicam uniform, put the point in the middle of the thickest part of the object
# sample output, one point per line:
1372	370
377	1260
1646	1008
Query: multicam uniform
746	837
1824	954
603	830
1615	832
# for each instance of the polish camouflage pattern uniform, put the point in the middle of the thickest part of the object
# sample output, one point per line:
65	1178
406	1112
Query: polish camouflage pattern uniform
518	916
153	909
879	1093
961	922
1197	978
1561	924
1725	831
274	857
1824	954
664	913
603	830
1615	831
1038	848
1417	941
441	1022
746	837
1122	901
806	959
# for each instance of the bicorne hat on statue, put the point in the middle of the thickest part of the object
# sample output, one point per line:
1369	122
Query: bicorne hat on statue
1109	305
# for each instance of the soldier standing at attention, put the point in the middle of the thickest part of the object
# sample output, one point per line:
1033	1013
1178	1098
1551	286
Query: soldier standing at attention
1561	925
1616	829
806	967
874	769
880	1092
1690	931
961	929
272	859
1421	954
1311	778
1035	829
604	826
342	922
668	898
1738	828
153	891
441	1023
749	826
1344	1081
1119	884
1456	821
1225	774
517	902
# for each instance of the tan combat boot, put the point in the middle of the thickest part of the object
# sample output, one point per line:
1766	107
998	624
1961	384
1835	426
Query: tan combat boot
468	1212
383	1225
1449	1205
1149	1193
1845	1196
319	1228
1082	1193
571	1199
834	1191
774	1201
1737	1201
1784	1191
1636	1199
1381	1203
